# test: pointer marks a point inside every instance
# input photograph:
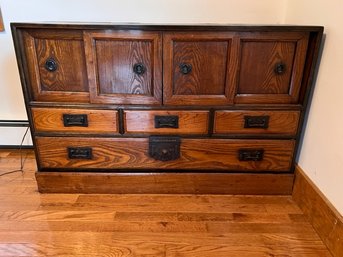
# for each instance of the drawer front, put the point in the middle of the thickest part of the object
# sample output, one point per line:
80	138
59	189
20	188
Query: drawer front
75	120
133	153
163	122
256	122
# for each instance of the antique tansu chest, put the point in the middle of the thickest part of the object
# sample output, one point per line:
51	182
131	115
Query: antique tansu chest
166	109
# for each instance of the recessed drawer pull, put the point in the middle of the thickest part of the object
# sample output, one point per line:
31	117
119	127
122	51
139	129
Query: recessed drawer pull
168	121
164	148
256	121
250	154
79	152
77	120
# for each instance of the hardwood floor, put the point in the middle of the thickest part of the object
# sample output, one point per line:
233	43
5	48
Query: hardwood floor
33	224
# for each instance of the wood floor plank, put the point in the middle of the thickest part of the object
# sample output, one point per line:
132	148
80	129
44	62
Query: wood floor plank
146	225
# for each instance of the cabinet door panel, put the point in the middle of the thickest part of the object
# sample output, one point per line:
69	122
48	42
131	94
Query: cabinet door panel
56	65
271	66
203	57
124	67
197	68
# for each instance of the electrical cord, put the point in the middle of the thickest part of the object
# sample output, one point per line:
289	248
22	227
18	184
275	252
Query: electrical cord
22	160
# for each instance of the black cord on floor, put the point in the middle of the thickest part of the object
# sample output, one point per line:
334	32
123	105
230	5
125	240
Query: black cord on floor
22	160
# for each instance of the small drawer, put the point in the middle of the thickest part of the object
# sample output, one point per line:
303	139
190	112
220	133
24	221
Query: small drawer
256	122
170	153
166	122
75	120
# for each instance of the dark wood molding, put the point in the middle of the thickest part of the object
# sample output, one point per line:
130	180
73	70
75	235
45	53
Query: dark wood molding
323	216
165	183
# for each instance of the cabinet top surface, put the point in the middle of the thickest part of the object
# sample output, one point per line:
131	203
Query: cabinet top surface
185	27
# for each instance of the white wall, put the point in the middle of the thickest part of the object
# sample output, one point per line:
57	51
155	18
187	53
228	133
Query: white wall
322	150
142	11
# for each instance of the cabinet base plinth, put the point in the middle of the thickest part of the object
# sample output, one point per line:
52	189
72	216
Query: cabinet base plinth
165	183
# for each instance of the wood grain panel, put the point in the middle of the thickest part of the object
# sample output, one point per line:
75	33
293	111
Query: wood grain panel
323	216
202	154
116	59
257	75
111	57
280	122
51	120
208	60
190	122
257	81
71	70
212	60
69	83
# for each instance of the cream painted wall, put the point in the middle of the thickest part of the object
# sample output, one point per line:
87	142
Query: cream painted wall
142	11
321	154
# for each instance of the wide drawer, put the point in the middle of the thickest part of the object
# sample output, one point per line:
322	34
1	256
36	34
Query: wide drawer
256	122
195	154
166	122
75	120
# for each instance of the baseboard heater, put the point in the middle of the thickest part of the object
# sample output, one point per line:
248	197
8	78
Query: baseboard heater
15	124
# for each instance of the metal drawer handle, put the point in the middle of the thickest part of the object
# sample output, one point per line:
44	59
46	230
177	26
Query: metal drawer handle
77	120
79	152
164	148
250	154
168	121
256	121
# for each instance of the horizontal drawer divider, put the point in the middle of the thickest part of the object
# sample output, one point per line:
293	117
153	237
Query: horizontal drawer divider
219	136
167	107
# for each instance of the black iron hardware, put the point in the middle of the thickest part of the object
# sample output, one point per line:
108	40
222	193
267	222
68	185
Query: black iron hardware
250	154
75	120
169	121
80	153
164	148
51	65
139	68
280	68
185	68
256	121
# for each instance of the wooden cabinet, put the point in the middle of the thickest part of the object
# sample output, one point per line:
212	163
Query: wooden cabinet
224	102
